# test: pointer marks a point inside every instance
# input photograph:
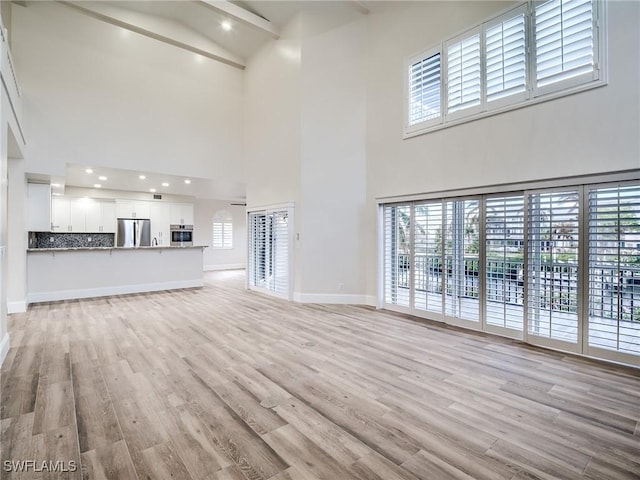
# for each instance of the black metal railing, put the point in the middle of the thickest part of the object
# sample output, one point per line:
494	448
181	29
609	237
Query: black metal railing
613	293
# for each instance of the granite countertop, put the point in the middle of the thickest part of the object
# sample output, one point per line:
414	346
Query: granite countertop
74	249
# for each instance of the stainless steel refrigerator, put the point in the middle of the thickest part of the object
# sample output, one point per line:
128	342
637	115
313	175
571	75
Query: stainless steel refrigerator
134	232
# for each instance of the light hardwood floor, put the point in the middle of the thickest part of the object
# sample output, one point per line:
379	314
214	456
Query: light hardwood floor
221	383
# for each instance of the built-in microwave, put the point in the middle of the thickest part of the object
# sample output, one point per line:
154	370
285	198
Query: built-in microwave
181	235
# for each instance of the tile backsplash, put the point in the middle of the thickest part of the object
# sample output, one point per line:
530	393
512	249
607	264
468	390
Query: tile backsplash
70	240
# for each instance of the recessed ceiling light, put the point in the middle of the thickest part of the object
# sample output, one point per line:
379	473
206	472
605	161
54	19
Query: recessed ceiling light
165	184
97	185
226	25
187	181
102	178
89	171
199	58
56	185
142	177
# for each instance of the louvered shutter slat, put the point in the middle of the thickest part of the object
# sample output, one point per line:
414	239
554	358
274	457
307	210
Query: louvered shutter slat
564	40
614	268
506	58
424	90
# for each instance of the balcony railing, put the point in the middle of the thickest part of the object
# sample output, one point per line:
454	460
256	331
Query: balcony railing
613	294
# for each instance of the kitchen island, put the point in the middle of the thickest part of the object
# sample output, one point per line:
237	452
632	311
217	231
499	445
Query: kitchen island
71	273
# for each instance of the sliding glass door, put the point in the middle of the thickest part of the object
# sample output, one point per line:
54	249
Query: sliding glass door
553	269
397	255
427	261
504	265
461	262
558	267
268	262
614	271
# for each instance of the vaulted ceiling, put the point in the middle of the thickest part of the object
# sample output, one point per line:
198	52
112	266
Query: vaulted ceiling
229	32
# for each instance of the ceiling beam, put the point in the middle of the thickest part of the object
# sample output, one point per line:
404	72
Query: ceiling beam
171	35
243	16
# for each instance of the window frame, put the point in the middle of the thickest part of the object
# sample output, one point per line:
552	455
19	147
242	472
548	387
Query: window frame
225	220
573	82
475	109
532	95
515	98
409	62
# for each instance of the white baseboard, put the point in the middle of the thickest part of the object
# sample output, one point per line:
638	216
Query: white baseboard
224	266
108	291
336	298
4	347
16	307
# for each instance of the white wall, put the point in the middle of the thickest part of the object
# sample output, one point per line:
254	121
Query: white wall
16	236
97	94
333	163
272	120
204	211
585	133
4	331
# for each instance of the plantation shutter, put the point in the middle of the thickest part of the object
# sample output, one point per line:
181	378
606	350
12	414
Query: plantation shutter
564	42
279	243
614	268
427	263
461	263
553	265
257	249
463	74
222	231
504	264
506	56
397	225
269	251
424	89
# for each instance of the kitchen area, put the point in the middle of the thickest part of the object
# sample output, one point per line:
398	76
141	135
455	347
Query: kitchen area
82	246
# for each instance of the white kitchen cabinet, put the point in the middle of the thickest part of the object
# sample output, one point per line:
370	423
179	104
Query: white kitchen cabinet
108	217
100	217
160	213
38	207
181	214
60	215
78	208
83	215
133	209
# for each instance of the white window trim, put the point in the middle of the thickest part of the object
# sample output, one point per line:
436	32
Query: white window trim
538	96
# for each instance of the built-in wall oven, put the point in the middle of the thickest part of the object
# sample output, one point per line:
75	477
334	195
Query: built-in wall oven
181	235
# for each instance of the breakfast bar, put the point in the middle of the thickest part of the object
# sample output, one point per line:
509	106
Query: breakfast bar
71	273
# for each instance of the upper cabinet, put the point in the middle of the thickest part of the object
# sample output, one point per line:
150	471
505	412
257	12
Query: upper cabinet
61	215
100	216
82	215
133	209
181	214
38	207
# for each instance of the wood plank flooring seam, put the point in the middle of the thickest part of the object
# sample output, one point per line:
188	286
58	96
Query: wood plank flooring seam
117	419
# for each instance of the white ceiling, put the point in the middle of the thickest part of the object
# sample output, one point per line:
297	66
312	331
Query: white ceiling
129	180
